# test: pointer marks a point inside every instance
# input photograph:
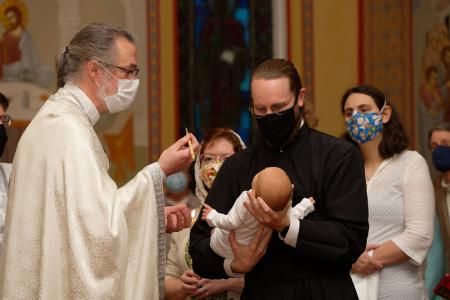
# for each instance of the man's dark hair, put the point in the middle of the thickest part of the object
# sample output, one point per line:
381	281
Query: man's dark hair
275	68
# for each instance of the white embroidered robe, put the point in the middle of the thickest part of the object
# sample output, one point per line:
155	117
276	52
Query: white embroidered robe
70	233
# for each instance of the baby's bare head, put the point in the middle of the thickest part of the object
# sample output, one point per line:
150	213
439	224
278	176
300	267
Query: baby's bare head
273	186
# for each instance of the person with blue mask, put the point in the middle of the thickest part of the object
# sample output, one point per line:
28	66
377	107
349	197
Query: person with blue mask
181	282
400	197
439	141
177	190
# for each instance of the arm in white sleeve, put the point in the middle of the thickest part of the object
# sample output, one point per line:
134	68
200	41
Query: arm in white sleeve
155	170
231	221
302	209
227	268
418	202
294	228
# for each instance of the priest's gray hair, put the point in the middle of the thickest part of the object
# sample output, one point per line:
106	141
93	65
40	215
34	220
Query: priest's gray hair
94	42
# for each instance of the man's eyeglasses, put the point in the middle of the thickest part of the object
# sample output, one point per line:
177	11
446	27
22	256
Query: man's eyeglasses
131	74
260	111
6	120
208	158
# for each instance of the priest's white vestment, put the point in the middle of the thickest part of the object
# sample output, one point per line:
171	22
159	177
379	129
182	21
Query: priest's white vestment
70	233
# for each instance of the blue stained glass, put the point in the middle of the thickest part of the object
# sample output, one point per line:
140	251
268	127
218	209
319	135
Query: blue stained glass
242	15
245	84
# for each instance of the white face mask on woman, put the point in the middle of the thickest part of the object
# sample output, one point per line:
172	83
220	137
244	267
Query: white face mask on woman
124	97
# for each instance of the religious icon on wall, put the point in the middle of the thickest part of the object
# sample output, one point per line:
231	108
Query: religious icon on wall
436	76
434	104
19	59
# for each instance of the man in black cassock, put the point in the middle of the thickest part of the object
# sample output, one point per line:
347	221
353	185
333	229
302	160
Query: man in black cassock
290	258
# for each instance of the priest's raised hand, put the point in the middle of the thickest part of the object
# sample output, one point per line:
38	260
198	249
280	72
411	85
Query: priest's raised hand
85	237
178	156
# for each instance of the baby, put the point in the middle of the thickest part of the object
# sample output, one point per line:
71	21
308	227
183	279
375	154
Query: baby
274	187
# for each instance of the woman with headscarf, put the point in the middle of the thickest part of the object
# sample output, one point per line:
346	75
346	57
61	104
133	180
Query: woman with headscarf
181	282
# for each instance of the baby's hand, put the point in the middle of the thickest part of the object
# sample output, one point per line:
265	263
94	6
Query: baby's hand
206	210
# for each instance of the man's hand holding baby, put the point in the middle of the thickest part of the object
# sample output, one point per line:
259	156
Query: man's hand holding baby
276	220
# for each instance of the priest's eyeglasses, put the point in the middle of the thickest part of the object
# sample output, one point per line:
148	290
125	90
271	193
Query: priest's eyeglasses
208	158
131	74
6	120
260	111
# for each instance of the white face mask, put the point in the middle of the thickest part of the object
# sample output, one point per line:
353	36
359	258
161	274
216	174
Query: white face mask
124	97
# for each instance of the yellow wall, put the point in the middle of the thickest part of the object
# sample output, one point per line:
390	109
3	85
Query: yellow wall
335	44
167	67
295	37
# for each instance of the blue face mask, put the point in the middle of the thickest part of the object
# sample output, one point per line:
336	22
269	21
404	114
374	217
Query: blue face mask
441	158
363	128
177	183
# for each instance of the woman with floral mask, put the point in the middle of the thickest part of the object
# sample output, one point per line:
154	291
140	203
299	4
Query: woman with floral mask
400	198
181	282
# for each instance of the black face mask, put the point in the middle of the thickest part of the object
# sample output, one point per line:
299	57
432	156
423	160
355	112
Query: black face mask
277	128
3	138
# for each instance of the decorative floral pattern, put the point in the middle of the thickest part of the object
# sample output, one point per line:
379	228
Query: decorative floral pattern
364	127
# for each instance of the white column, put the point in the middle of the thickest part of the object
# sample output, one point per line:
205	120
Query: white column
279	29
68	20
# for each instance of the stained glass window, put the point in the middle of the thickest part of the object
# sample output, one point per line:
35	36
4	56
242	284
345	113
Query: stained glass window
220	42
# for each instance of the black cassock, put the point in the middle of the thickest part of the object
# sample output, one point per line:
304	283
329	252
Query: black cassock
330	239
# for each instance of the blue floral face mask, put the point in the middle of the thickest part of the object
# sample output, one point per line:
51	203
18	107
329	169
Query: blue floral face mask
363	128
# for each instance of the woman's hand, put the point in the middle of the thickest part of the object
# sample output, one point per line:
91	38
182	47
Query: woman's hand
366	265
190	283
210	287
247	256
276	220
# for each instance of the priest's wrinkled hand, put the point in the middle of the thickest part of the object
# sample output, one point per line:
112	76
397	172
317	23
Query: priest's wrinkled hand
178	217
178	156
276	220
247	256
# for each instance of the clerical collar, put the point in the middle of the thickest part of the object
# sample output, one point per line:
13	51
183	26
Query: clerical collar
83	101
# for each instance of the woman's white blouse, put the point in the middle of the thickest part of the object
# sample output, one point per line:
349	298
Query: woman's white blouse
401	209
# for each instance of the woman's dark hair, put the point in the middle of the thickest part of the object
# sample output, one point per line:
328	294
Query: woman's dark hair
394	137
221	132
